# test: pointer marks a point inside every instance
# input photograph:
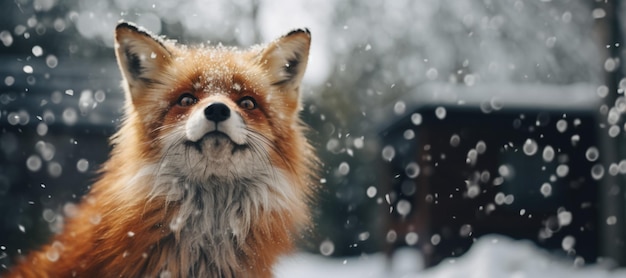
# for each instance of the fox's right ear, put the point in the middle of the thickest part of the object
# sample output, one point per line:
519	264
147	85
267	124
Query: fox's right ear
140	55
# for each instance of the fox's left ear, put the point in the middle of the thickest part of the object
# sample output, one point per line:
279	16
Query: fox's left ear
141	56
285	59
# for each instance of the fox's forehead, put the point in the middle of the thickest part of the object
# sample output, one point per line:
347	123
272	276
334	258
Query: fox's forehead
218	69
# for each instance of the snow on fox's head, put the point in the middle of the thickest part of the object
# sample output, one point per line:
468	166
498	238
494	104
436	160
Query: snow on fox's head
213	112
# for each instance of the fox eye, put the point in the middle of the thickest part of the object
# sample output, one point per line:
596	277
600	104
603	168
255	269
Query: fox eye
186	99
247	103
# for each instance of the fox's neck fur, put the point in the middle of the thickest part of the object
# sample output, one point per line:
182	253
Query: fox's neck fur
193	230
182	196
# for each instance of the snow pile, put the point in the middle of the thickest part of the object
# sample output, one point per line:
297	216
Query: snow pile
498	256
490	257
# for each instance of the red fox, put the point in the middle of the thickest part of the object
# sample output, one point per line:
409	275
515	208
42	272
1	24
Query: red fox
210	173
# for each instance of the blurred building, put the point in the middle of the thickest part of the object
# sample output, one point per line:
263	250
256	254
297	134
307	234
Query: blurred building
537	161
521	161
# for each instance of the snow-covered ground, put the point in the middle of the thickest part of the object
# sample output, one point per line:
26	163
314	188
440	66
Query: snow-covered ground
490	257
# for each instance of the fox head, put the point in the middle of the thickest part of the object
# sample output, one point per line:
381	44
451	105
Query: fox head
213	111
215	119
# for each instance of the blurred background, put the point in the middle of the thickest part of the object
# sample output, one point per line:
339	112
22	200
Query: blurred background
437	122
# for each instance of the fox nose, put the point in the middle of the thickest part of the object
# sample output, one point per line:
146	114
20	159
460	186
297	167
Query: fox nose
217	112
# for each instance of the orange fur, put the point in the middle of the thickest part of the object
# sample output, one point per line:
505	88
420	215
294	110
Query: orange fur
128	225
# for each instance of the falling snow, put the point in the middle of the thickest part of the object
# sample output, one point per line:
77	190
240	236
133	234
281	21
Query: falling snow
371	71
